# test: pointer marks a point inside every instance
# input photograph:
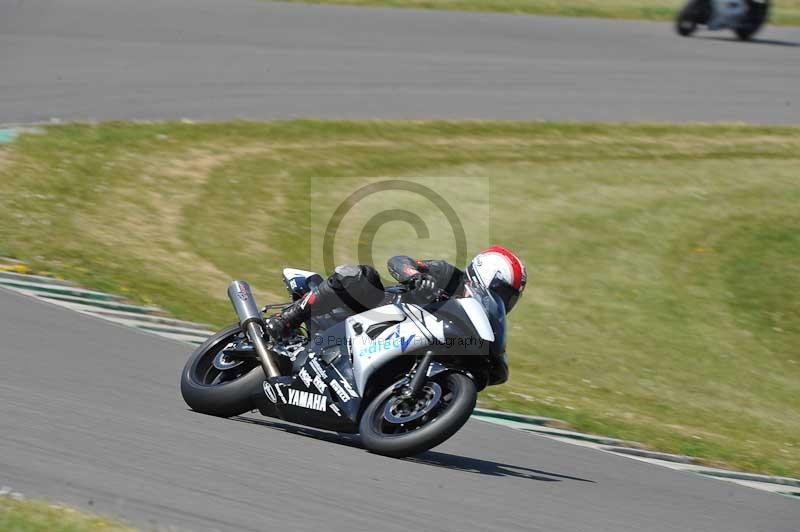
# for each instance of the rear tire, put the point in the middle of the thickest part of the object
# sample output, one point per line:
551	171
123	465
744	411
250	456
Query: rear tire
694	13
686	22
685	27
231	395
444	422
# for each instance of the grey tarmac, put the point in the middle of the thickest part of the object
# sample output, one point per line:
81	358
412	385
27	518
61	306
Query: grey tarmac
92	416
215	59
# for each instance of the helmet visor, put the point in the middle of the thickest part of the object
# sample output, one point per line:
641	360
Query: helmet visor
507	293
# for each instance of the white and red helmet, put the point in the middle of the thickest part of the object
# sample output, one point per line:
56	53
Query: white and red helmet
501	272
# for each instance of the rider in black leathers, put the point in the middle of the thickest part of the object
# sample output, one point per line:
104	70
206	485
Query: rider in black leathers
359	288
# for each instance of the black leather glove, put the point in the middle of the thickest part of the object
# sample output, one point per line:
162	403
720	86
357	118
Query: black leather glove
423	283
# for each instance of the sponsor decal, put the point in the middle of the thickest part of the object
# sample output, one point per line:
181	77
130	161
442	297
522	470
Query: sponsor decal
335	410
317	367
279	392
349	389
309	400
270	392
305	377
392	342
402	341
241	292
346	384
319	385
336	387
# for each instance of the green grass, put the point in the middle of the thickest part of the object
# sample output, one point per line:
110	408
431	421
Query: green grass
785	12
34	516
664	261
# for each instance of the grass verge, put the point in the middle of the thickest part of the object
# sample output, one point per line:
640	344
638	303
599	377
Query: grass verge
35	516
664	260
785	13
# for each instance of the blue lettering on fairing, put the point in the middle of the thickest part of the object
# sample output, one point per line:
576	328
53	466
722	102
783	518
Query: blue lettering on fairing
393	341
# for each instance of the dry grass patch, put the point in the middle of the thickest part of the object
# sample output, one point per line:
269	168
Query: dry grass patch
664	261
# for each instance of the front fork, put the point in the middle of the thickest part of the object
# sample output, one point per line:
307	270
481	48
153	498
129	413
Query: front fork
420	372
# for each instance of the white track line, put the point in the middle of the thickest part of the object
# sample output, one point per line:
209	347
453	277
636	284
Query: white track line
591	441
151	319
42	288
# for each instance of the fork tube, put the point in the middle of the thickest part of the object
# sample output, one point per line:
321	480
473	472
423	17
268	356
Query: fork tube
417	381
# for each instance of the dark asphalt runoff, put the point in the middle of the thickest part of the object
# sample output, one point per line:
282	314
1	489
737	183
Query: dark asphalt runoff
219	59
92	416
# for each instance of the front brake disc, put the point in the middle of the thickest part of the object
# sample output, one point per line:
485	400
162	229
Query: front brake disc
400	410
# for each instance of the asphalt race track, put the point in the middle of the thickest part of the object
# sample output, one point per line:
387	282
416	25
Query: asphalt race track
218	59
92	416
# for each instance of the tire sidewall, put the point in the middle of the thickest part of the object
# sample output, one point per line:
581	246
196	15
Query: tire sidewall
430	435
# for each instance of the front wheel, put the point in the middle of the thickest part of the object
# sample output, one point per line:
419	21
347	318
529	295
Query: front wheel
756	17
396	426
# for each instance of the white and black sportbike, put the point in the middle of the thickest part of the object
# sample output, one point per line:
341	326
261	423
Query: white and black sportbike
404	375
744	17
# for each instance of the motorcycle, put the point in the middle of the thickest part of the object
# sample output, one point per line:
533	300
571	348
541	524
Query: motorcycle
744	17
404	375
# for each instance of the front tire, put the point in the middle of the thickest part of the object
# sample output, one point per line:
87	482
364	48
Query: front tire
382	430
756	17
227	393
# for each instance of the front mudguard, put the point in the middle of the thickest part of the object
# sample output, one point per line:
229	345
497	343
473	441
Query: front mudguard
437	368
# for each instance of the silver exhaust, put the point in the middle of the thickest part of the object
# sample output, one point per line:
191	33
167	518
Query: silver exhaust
252	321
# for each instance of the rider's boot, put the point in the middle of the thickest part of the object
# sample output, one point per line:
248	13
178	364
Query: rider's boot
357	288
278	327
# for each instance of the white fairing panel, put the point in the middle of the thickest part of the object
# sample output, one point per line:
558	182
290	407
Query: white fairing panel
478	317
289	273
408	328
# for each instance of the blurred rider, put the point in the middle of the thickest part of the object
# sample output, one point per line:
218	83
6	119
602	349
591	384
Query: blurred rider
359	288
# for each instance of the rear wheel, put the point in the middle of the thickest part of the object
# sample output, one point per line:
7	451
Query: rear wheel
686	24
214	384
396	426
693	13
685	27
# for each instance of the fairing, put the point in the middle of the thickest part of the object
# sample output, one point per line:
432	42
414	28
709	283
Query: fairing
332	374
